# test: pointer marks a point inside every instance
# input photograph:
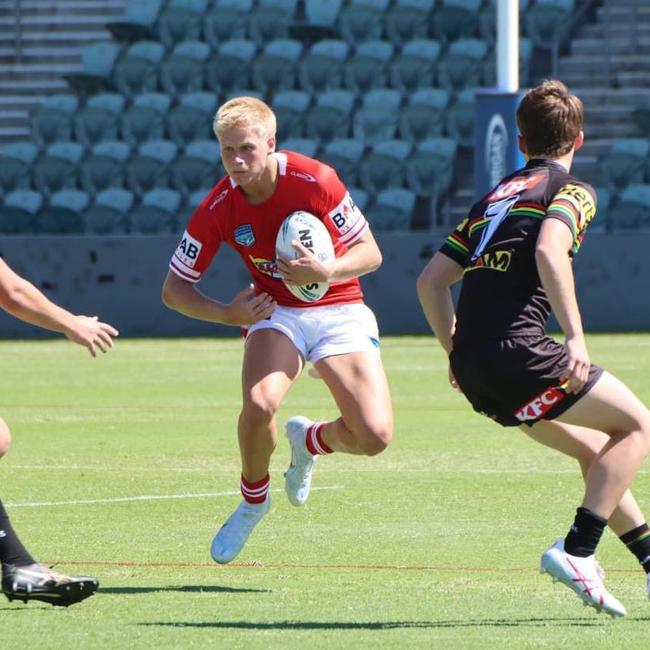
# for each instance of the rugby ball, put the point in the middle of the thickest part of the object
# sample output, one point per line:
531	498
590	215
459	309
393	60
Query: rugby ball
311	232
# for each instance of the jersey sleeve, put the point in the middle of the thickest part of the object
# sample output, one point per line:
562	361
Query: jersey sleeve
343	214
456	246
198	246
574	205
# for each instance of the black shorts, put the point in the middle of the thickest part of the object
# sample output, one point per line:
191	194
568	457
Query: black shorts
516	381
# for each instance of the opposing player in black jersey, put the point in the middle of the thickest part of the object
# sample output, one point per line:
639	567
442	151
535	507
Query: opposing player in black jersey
513	252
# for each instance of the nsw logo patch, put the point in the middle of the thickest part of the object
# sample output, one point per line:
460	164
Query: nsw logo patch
244	235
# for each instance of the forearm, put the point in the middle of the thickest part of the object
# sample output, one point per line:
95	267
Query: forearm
194	304
360	259
438	309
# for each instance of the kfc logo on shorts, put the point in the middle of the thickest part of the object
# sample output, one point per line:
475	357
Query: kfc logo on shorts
188	250
540	405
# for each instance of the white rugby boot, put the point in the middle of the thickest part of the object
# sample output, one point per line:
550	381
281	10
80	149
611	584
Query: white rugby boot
233	535
297	478
583	576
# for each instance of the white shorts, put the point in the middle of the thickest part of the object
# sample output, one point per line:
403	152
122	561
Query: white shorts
320	332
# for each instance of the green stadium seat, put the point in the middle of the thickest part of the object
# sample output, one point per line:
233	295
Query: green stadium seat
226	21
392	210
624	163
141	16
18	211
632	209
290	108
455	19
305	146
331	117
145	119
548	25
270	20
322	68
180	20
378	116
196	198
344	155
99	118
460	118
407	20
198	167
58	168
16	159
367	69
104	168
322	13
63	214
383	166
461	66
97	61
149	168
182	71
275	68
414	67
137	71
52	120
157	213
359	196
108	215
423	116
362	20
192	118
229	69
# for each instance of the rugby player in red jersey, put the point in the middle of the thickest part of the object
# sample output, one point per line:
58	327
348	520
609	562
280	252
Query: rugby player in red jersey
338	334
514	253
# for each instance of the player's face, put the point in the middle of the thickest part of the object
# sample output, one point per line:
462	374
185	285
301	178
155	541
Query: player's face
244	153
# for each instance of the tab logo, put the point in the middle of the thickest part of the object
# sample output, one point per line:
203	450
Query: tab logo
188	250
540	405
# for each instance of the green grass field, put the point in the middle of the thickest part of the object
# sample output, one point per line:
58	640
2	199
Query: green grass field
124	467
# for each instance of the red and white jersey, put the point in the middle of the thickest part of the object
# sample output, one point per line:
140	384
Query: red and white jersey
225	215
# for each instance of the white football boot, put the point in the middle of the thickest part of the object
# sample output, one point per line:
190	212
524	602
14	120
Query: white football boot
583	576
297	478
232	536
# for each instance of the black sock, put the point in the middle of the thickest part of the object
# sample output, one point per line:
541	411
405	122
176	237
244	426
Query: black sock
11	549
584	535
638	541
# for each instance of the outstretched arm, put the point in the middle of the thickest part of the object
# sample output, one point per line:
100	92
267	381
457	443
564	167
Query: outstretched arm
23	300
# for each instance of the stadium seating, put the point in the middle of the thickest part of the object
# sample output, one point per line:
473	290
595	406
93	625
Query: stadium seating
548	24
182	71
322	68
226	21
601	222
632	209
270	20
149	168
322	13
52	120
408	20
195	199
18	211
137	71
63	214
362	20
624	163
461	66
58	168
16	160
344	155
97	61
455	19
275	68
199	166
331	117
229	69
460	118
108	214
99	118
359	196
305	146
192	118
139	21
105	166
180	20
392	209
145	119
290	108
489	72
423	116
157	212
378	116
367	69
414	67
383	167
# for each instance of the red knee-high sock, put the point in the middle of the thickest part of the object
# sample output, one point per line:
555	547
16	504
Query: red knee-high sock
314	440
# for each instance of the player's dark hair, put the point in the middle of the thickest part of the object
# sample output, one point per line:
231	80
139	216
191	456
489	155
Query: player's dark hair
549	118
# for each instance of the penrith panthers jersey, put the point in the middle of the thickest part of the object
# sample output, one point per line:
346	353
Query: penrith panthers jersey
226	216
501	294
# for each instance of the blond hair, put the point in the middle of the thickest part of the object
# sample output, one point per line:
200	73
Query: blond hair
550	118
244	112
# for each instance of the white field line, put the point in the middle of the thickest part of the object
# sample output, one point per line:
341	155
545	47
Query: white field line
148	497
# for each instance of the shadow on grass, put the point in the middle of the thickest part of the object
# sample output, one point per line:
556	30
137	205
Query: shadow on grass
384	625
181	588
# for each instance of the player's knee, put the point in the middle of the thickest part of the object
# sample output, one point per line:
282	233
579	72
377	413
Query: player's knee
5	438
259	410
374	439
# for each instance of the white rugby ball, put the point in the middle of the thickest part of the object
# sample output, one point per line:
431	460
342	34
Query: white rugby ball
311	232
